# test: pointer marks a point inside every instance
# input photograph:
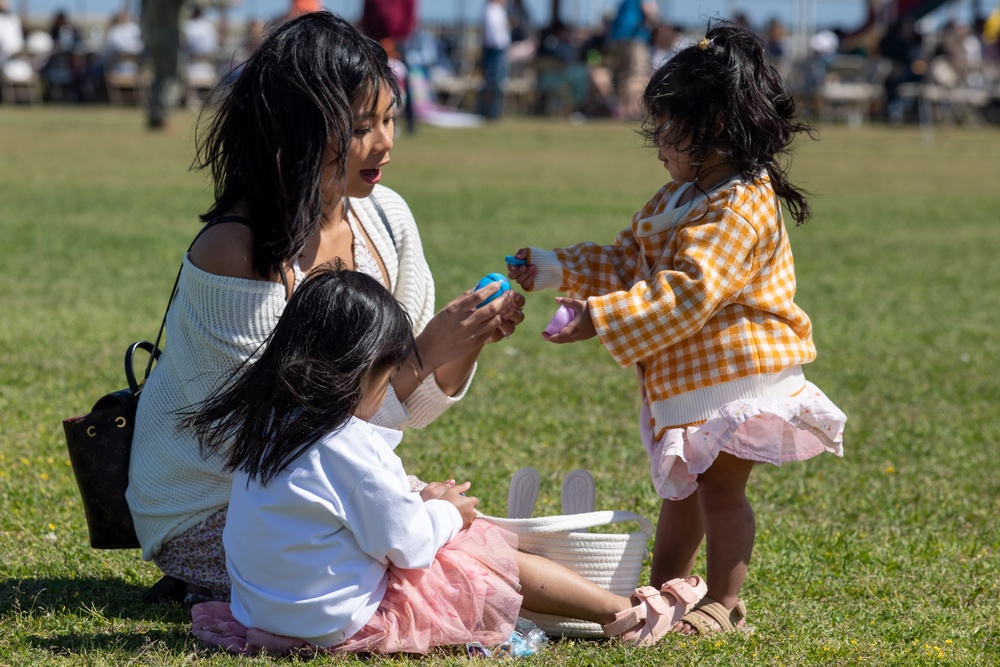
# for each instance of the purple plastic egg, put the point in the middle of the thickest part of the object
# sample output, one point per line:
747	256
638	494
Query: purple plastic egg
563	316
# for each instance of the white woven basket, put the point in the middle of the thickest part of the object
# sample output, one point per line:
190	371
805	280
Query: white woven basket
612	561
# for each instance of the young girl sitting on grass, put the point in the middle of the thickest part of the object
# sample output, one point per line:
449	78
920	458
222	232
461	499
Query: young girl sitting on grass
327	547
698	294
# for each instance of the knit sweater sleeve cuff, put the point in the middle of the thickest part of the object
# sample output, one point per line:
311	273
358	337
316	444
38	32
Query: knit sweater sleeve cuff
428	402
549	269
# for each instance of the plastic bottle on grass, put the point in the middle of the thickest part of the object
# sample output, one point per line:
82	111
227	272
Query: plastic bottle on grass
527	639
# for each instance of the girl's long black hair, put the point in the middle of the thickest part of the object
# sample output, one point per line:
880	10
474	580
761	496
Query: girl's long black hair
266	142
338	328
723	96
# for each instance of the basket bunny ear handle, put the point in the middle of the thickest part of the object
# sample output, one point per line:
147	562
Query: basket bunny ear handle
523	493
578	492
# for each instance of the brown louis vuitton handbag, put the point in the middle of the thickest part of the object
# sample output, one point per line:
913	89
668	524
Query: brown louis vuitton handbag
100	445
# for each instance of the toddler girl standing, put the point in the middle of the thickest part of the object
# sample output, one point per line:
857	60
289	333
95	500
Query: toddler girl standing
698	294
326	545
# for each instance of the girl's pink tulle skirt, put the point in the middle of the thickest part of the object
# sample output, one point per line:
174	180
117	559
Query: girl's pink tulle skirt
469	594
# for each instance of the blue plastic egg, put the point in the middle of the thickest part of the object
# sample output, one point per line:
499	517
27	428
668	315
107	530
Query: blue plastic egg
492	278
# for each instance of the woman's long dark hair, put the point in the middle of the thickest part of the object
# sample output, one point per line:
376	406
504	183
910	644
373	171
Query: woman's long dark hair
339	328
724	97
266	142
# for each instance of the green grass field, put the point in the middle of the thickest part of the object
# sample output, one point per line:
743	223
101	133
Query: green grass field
888	556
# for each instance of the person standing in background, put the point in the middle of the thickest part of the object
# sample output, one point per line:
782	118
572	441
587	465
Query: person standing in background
496	40
300	7
775	41
390	23
629	43
11	32
161	32
520	22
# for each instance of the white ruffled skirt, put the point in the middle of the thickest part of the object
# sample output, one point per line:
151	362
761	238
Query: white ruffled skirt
763	430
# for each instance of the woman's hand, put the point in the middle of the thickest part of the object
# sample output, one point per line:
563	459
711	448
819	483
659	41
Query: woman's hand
510	317
466	505
580	328
524	275
460	329
451	342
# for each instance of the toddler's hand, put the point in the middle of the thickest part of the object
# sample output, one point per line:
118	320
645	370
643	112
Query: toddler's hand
524	275
580	328
434	490
466	505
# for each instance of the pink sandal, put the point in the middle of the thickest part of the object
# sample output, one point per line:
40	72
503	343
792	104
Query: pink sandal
656	611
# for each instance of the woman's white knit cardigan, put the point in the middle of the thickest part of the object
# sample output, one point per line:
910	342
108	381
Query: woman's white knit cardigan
214	323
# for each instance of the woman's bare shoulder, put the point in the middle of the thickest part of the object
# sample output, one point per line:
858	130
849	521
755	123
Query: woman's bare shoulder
225	249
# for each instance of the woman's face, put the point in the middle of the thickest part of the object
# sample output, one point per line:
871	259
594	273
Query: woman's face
371	141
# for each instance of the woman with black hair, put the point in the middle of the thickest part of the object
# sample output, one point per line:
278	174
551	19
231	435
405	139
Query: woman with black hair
296	150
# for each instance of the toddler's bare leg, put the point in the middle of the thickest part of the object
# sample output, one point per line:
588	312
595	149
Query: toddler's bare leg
550	588
679	533
729	526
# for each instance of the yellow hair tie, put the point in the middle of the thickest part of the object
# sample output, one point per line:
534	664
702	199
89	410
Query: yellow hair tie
705	43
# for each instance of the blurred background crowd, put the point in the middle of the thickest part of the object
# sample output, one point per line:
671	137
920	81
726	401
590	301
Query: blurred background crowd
906	61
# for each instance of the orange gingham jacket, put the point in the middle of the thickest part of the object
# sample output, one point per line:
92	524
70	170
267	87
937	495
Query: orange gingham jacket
694	303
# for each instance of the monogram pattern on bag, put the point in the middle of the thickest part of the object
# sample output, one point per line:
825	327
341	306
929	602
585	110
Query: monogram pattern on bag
99	447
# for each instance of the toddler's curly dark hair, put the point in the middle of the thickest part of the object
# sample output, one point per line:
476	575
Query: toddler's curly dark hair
721	95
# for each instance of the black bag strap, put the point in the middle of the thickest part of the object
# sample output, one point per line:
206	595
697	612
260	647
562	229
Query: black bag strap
154	354
154	348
